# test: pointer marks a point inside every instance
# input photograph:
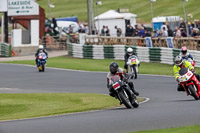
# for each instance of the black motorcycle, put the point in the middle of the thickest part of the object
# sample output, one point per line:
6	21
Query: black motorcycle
123	93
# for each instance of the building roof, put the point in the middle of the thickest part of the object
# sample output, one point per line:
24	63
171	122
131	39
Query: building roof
110	14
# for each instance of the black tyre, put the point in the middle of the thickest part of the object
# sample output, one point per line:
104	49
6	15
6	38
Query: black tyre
39	69
43	68
134	72
135	103
125	100
193	92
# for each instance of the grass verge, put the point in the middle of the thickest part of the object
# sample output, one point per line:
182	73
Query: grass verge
186	129
19	106
101	65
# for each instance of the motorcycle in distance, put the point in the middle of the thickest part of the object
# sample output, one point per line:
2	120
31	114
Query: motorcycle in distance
189	82
133	64
41	60
121	93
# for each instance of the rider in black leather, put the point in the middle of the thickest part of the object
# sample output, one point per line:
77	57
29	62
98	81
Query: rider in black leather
116	70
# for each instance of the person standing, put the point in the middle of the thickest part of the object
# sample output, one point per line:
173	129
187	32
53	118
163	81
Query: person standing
119	31
107	31
54	23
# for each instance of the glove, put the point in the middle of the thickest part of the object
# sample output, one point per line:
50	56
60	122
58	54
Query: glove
177	79
192	70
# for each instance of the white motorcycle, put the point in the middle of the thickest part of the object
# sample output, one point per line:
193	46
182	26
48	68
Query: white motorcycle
133	64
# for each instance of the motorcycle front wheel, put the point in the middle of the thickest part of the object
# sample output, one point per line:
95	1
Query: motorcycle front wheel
43	67
125	100
134	72
193	92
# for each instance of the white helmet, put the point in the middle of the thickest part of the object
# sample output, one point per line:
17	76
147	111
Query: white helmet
40	47
130	51
178	60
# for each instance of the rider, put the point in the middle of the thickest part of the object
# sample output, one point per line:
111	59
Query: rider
127	55
116	70
179	63
184	54
40	50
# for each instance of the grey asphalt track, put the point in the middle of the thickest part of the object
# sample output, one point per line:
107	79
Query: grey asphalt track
167	108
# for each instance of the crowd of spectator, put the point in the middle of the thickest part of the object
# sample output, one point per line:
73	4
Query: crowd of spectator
164	31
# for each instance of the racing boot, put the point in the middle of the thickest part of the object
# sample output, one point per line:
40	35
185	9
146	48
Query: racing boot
135	92
132	88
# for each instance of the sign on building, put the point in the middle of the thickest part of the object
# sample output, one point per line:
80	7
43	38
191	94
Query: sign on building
3	6
22	7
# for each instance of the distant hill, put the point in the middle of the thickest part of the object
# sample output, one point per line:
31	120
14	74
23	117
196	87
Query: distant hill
66	8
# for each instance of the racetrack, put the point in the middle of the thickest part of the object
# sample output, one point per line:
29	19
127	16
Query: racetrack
166	108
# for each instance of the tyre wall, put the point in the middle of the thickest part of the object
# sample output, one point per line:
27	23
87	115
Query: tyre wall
145	54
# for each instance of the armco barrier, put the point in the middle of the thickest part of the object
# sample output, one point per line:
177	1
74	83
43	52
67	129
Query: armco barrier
145	54
5	50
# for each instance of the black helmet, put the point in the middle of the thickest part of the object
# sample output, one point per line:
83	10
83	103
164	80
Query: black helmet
113	67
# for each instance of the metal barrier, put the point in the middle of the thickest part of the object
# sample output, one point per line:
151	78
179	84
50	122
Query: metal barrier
54	42
190	42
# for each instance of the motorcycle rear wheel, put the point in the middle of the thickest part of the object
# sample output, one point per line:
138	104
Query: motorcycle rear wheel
125	100
193	92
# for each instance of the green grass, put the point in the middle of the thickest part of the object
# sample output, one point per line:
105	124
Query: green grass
18	106
65	8
187	129
101	65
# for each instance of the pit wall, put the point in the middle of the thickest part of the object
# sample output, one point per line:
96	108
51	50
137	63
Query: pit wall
116	52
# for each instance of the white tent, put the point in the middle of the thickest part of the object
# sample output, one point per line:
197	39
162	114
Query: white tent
112	18
131	17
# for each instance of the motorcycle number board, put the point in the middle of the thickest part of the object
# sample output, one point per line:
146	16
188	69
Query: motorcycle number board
22	7
133	61
116	86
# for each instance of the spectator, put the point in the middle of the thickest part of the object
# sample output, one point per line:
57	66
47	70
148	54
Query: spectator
81	28
147	33
70	29
136	28
141	32
195	32
132	30
119	31
136	34
107	31
183	33
155	34
164	25
103	31
182	25
190	27
164	32
177	32
170	32
128	31
54	23
86	29
143	26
